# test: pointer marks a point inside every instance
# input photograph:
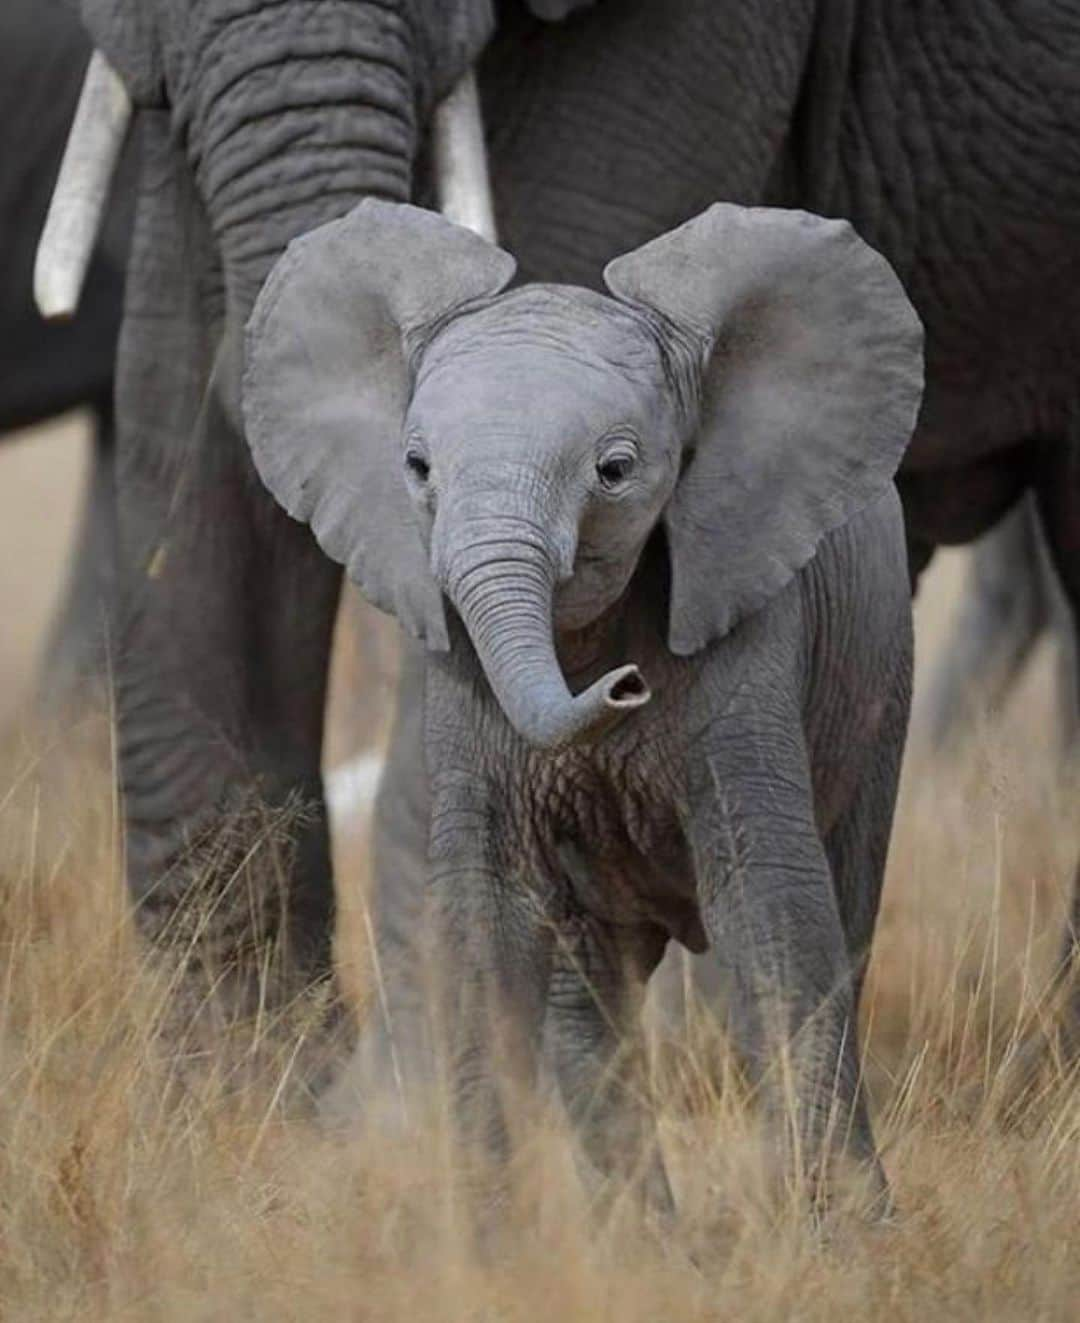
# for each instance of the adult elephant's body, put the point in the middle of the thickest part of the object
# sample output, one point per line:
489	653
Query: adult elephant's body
944	131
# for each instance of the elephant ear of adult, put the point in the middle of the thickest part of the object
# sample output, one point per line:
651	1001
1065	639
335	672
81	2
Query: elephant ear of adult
812	379
326	386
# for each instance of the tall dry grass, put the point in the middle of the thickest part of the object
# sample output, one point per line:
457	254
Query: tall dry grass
122	1197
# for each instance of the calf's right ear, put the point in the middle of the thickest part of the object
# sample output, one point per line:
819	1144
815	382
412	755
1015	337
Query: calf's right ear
326	386
812	372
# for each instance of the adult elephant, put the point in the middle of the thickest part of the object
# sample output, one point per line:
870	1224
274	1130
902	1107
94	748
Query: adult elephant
48	368
1010	600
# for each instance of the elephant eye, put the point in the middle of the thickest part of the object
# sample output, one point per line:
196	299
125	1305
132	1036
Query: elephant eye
418	465
614	469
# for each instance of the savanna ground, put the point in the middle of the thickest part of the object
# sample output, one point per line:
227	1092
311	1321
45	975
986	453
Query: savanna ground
119	1202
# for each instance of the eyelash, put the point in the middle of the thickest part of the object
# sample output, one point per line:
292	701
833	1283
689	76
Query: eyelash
616	465
614	469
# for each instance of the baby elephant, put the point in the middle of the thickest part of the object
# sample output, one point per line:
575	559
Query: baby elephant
671	696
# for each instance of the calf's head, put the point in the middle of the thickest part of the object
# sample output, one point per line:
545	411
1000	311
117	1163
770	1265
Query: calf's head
751	384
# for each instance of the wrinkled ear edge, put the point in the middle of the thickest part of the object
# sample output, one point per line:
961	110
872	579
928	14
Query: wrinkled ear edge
263	311
304	506
687	640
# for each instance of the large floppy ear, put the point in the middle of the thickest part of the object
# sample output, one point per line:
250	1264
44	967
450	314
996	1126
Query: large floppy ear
326	386
811	358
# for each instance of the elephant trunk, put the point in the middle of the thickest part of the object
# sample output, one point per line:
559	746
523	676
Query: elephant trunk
290	121
502	583
288	124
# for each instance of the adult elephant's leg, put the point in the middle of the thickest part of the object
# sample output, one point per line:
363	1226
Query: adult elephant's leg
593	1034
282	125
77	652
222	641
221	689
1059	505
1003	610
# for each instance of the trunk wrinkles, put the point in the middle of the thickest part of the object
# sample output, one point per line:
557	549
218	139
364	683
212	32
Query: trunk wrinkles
290	124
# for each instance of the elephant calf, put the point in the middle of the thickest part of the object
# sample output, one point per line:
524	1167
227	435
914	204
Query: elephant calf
670	701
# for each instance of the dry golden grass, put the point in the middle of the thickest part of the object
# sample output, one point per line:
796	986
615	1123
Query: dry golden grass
42	474
117	1201
120	1201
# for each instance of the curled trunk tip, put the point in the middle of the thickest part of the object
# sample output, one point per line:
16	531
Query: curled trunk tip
626	688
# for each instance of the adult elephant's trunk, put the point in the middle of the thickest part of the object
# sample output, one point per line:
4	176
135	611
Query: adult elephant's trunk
502	580
290	119
284	131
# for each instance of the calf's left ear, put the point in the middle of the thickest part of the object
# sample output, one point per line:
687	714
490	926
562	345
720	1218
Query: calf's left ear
327	382
812	377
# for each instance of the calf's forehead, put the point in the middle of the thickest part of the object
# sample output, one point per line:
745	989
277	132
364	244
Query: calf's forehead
543	352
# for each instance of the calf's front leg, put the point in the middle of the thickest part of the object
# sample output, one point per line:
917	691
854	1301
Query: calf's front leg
769	908
593	1033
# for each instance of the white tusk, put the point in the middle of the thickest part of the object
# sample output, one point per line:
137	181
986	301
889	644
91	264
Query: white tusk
82	190
350	788
461	173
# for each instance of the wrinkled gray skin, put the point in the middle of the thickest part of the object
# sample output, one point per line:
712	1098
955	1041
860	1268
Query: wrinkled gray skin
670	700
945	132
46	369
